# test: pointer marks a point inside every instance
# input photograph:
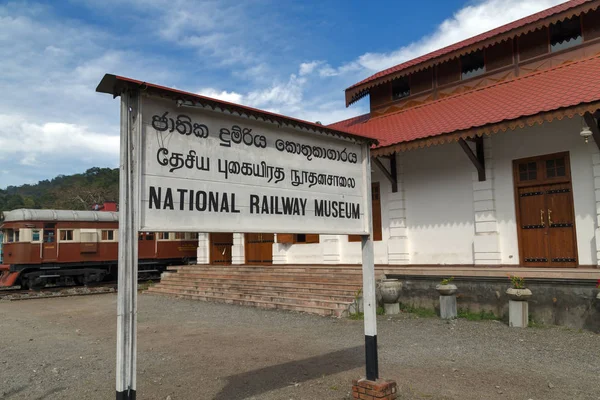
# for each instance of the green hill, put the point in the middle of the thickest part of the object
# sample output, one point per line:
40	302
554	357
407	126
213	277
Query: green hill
65	192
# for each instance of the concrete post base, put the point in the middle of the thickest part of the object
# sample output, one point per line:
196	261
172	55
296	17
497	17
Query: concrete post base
391	308
448	307
370	390
518	314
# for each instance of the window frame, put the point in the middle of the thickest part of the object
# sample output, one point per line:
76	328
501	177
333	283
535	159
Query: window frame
163	236
542	178
474	72
404	79
112	231
40	235
66	232
566	43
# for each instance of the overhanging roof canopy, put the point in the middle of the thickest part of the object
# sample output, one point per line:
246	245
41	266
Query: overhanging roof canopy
115	85
565	90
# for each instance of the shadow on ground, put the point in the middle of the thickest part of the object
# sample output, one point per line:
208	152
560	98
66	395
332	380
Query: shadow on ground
264	380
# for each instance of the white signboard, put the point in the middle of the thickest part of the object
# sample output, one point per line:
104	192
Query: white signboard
210	171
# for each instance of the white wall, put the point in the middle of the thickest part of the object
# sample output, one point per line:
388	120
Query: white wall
349	252
439	205
306	253
548	138
439	197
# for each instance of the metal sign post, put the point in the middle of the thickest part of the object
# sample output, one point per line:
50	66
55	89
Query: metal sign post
191	163
128	248
368	272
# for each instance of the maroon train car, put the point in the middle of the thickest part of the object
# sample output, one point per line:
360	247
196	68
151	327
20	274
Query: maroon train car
43	247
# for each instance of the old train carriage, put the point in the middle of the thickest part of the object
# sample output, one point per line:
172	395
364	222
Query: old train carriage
62	246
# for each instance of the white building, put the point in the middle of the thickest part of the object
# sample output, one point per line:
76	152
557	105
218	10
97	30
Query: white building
481	160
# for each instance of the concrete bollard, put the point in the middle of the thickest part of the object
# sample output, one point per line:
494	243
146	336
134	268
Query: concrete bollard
518	314
448	307
390	309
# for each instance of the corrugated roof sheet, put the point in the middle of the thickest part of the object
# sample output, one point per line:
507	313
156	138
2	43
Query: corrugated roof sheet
514	28
24	214
560	87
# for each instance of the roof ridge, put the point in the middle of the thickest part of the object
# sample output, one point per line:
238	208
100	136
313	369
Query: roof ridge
349	119
498	84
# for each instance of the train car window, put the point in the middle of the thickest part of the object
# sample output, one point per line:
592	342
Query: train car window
35	235
149	236
141	236
66	235
179	236
191	236
108	235
49	236
11	235
162	236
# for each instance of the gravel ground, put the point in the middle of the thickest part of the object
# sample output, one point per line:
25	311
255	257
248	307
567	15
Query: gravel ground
64	348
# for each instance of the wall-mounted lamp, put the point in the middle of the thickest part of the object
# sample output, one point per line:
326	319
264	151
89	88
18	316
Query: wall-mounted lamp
586	132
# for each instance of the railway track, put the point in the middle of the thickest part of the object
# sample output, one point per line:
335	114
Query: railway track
14	294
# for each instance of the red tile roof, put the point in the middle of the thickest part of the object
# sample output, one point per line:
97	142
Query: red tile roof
353	93
567	85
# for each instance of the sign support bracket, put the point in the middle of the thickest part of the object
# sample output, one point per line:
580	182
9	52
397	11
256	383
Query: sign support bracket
368	273
128	248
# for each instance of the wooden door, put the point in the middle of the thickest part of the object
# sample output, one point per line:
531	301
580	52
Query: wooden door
49	246
545	215
561	225
220	248
259	248
147	245
534	235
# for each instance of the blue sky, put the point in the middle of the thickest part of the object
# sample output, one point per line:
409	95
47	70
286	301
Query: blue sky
291	57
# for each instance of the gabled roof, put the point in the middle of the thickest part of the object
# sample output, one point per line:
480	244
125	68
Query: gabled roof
568	89
486	39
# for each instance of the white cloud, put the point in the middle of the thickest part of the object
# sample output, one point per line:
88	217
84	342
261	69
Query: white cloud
309	67
52	139
465	23
241	52
224	95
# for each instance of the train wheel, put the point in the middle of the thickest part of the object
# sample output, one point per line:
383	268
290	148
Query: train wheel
36	284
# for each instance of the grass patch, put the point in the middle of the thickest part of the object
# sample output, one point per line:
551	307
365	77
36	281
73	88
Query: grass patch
356	316
360	316
533	324
418	311
145	285
478	316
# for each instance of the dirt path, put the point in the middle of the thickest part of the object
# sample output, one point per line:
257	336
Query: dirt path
64	348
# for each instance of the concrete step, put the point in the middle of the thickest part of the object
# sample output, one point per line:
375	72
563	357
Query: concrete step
325	311
355	269
296	277
283	299
266	282
318	289
264	270
307	293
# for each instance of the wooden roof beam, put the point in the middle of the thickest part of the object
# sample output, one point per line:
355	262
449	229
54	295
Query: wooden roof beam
391	175
477	158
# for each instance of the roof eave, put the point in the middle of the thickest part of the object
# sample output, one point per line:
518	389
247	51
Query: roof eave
115	85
